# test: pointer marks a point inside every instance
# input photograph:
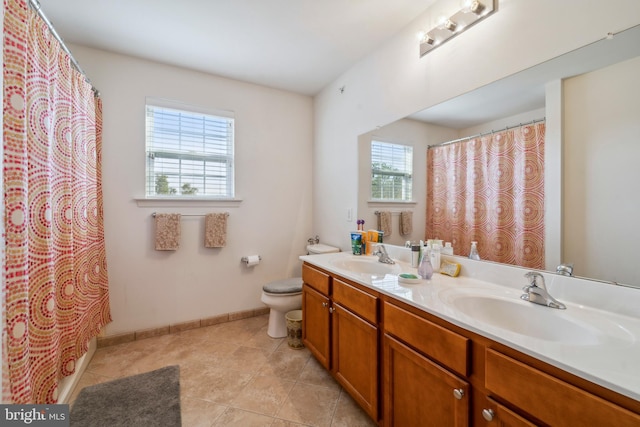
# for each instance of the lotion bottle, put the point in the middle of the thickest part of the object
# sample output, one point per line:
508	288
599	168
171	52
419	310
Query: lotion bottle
473	253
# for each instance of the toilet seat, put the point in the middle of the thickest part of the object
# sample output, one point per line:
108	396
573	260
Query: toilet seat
292	286
281	297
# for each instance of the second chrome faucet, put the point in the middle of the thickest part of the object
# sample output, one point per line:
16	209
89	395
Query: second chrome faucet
382	254
538	294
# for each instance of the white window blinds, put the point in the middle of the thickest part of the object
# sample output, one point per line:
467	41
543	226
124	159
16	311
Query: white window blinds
391	171
189	154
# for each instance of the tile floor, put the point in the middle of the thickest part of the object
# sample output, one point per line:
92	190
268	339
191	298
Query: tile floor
234	374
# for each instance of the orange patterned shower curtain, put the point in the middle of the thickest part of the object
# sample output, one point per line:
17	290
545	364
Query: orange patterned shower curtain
55	279
490	189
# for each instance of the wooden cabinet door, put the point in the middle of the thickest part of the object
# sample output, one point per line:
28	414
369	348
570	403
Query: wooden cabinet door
355	357
316	324
489	413
418	392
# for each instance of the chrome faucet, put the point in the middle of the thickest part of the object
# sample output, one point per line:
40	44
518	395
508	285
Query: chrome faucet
538	294
565	269
381	252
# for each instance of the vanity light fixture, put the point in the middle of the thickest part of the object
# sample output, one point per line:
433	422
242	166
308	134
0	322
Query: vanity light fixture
472	11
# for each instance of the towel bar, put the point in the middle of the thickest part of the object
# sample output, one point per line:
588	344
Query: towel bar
155	213
392	212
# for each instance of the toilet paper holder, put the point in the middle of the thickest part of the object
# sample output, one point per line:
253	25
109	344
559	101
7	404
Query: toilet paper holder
246	259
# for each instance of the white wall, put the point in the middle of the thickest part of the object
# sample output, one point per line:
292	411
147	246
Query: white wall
601	172
274	133
394	82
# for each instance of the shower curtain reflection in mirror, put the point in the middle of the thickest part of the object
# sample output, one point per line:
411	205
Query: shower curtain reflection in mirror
490	189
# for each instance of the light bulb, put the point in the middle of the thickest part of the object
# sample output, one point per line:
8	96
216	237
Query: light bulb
465	5
450	25
477	7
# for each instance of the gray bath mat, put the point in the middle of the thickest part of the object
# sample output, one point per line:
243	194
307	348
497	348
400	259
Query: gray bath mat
149	399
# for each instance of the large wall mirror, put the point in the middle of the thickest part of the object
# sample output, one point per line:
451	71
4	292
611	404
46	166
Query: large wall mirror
591	100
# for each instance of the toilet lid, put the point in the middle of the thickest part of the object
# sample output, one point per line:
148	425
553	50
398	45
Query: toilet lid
286	286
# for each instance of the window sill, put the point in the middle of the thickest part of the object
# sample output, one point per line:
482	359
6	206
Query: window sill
150	202
391	202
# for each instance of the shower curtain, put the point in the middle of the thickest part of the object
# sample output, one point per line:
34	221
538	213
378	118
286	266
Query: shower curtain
490	189
55	279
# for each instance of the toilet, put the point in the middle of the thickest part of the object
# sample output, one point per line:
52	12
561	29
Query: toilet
285	295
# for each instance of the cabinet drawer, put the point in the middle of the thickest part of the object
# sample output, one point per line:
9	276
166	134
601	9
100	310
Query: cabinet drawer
447	347
318	280
549	399
359	302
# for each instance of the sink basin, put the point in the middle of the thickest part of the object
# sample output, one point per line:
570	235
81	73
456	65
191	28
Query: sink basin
365	265
524	318
574	326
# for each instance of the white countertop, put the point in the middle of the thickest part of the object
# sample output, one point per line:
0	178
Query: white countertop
612	361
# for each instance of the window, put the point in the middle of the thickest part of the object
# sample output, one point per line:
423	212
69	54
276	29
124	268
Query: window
189	153
391	171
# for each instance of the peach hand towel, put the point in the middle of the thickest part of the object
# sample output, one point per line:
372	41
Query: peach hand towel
215	230
406	223
384	223
167	232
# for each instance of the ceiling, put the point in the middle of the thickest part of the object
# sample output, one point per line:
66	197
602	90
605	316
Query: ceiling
295	45
301	45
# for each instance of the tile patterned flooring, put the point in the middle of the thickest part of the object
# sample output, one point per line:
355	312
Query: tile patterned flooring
234	374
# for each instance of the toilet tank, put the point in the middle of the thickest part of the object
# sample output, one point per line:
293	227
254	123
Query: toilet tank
320	248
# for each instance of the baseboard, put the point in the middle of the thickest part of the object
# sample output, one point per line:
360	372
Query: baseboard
110	340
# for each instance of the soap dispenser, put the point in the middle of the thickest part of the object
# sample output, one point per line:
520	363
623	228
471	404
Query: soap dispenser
473	253
425	270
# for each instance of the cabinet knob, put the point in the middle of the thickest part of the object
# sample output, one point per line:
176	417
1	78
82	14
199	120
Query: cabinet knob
458	393
331	309
324	304
488	414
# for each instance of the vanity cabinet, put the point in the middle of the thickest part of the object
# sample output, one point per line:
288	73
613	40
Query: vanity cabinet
419	388
407	367
340	329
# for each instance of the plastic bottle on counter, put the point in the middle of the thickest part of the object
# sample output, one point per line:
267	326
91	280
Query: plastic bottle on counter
425	270
447	250
435	257
473	253
415	256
